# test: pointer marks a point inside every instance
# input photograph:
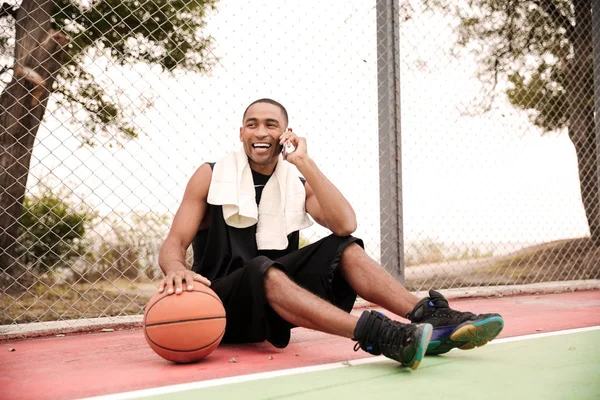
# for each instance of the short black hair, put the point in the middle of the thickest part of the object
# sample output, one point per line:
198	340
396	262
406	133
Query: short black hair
270	101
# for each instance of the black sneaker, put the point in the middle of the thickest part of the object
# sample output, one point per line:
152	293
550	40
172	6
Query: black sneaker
454	329
406	343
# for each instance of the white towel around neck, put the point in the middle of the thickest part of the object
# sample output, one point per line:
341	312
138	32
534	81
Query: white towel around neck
282	205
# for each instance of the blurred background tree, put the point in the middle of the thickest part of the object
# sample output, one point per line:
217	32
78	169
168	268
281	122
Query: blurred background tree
51	230
540	53
45	45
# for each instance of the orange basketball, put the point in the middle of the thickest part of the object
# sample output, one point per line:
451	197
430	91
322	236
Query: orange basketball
187	327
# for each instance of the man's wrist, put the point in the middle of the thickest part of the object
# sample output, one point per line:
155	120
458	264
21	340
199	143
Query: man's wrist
173	267
304	163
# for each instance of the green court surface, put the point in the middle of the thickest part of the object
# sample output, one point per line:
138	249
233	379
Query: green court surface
564	366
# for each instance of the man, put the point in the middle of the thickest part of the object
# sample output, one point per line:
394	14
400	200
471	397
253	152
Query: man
242	216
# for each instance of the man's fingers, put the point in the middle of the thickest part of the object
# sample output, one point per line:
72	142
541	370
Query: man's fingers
287	136
290	140
178	282
189	280
174	282
301	143
201	279
169	284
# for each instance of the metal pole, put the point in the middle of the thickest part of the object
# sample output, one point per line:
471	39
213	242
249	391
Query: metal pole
596	45
390	155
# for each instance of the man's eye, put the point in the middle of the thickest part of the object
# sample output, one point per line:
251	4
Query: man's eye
272	126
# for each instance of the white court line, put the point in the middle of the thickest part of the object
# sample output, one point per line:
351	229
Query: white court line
292	371
545	334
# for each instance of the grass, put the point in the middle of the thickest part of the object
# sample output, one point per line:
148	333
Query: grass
42	302
429	251
556	261
574	259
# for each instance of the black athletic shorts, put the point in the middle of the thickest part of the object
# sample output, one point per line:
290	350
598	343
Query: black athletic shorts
250	319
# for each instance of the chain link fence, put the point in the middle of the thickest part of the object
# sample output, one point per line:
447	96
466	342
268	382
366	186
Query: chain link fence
465	142
499	145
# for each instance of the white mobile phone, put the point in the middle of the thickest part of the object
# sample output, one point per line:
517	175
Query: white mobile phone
288	148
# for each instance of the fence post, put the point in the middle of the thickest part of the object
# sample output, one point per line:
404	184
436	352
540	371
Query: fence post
390	155
596	45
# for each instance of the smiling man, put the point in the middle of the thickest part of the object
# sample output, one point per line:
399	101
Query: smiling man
242	215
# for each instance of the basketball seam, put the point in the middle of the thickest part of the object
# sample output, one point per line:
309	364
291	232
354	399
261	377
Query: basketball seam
182	320
199	291
185	351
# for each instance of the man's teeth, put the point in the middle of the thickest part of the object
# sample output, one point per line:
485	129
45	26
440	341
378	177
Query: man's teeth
261	145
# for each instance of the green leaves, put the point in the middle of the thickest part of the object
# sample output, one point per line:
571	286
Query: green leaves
161	33
158	32
100	113
51	229
543	92
525	44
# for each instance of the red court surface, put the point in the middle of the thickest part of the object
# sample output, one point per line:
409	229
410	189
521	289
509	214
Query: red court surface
76	366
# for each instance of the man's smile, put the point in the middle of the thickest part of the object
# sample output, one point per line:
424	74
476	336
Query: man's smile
261	147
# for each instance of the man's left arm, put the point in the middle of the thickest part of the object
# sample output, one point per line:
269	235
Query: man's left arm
324	202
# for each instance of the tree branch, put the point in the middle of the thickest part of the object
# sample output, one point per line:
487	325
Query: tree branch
558	17
8	10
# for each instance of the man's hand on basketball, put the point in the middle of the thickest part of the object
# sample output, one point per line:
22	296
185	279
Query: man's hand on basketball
288	139
174	281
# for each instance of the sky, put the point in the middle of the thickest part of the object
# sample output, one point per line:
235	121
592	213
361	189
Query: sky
466	179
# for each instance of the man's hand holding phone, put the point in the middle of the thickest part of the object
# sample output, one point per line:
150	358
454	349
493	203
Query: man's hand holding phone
294	147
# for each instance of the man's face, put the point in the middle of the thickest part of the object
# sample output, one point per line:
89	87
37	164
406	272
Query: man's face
263	125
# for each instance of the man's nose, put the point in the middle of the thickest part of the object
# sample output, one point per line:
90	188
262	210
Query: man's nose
262	131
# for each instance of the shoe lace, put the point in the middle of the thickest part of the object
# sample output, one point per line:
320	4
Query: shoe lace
392	336
388	340
447	312
438	309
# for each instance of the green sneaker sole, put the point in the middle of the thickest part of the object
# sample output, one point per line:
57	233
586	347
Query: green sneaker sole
468	336
423	343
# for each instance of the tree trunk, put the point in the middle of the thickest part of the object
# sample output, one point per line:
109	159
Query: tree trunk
38	57
580	89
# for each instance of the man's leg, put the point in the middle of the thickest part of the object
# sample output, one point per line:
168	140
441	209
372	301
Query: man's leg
302	308
452	329
373	283
374	332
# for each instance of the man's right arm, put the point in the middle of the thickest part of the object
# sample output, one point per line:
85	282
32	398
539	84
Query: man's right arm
171	257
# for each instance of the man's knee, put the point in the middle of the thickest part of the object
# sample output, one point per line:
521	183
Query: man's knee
273	279
351	251
274	273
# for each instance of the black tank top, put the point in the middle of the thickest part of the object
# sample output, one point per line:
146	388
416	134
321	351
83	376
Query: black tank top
221	249
260	181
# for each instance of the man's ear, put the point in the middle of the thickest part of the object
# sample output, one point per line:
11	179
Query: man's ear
241	133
